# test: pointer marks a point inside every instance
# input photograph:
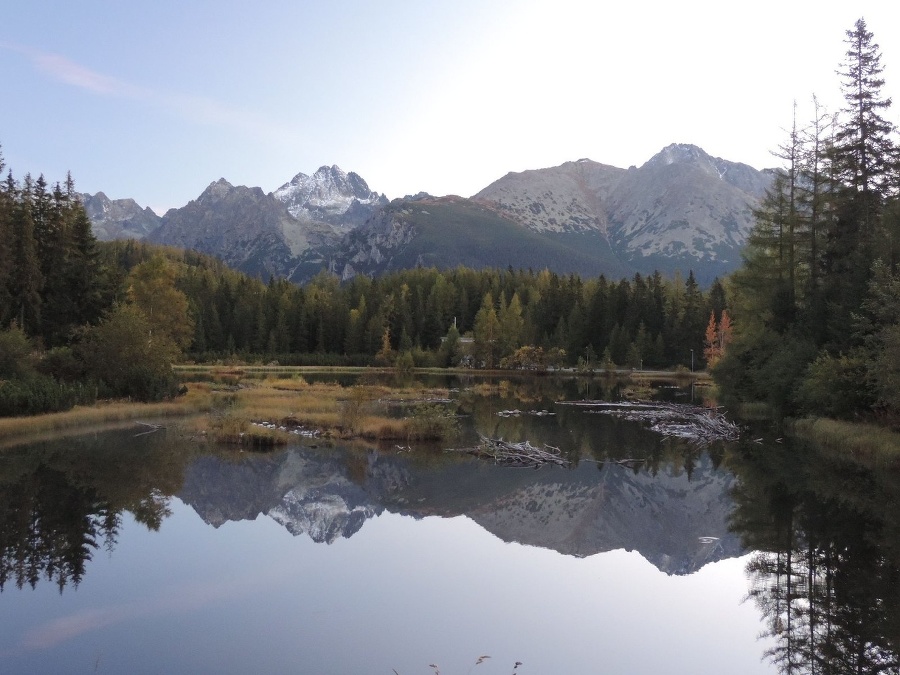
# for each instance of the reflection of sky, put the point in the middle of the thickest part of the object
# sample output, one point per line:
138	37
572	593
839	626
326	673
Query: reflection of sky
400	594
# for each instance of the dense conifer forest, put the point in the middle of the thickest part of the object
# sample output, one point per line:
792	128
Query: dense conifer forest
809	325
84	319
816	305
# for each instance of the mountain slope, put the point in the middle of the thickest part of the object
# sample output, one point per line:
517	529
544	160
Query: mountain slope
450	231
567	198
681	210
684	209
342	200
118	218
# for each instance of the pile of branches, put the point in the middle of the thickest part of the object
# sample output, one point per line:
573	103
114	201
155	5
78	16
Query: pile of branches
522	454
696	424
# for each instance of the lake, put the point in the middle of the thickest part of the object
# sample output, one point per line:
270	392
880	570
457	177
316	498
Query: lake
132	552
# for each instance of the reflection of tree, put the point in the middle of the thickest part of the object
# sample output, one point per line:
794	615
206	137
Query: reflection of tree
49	527
827	575
61	501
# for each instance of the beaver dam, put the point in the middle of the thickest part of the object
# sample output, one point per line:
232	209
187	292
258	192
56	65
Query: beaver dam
696	424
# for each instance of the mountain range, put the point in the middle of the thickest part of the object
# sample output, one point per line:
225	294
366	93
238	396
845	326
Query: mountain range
681	210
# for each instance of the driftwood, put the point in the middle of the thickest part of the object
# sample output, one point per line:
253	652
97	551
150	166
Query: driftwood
517	413
522	454
151	428
696	424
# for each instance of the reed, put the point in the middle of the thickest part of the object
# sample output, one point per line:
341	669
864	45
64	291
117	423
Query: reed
237	406
861	440
197	399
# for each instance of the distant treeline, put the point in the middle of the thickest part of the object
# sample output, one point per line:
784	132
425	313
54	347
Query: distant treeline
643	319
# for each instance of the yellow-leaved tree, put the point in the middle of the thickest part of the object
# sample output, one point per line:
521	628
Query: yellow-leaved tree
151	288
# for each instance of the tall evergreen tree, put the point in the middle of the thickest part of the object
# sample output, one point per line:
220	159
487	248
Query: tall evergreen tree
864	159
27	280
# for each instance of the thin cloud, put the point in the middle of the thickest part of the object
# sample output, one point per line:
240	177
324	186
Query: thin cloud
197	109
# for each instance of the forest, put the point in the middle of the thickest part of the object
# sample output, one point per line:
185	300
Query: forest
816	305
809	325
85	319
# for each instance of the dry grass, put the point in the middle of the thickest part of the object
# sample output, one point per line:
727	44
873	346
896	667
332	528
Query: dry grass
861	440
18	429
235	405
333	410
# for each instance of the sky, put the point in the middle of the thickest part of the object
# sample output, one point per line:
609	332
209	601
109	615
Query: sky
155	101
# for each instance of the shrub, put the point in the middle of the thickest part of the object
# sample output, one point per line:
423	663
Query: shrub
835	386
61	364
125	355
356	407
15	352
36	394
432	422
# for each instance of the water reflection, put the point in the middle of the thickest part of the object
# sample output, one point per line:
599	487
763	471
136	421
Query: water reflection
826	576
824	530
60	502
675	520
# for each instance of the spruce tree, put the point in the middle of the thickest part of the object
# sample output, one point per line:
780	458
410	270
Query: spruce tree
864	159
27	280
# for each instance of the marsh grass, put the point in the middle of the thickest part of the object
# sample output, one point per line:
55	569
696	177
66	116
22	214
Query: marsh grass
866	441
755	411
237	402
17	429
337	412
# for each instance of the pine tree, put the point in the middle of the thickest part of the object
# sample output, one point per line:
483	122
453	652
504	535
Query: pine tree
864	159
7	202
27	280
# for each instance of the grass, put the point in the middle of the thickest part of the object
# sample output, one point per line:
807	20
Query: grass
334	411
237	396
18	429
862	440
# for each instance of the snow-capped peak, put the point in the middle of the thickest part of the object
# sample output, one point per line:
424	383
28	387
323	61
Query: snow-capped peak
327	195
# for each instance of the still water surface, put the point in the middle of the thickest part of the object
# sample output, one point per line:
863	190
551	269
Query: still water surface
153	553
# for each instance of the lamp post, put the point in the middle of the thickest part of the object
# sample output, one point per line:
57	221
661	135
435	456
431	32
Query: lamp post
692	360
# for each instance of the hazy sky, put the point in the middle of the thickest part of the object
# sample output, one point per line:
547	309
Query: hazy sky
155	100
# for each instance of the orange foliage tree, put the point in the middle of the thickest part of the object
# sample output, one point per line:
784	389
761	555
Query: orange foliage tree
718	335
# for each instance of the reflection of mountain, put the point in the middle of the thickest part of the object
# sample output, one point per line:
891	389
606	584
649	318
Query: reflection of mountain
307	493
678	524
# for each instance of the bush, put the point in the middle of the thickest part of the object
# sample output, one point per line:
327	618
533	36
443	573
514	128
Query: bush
404	363
61	364
124	354
836	386
432	422
15	352
36	394
356	407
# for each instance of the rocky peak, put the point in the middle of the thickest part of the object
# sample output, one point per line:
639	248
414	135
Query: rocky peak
330	195
741	176
216	190
680	153
118	218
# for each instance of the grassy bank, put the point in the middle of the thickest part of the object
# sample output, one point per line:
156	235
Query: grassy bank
262	413
261	406
866	441
14	430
